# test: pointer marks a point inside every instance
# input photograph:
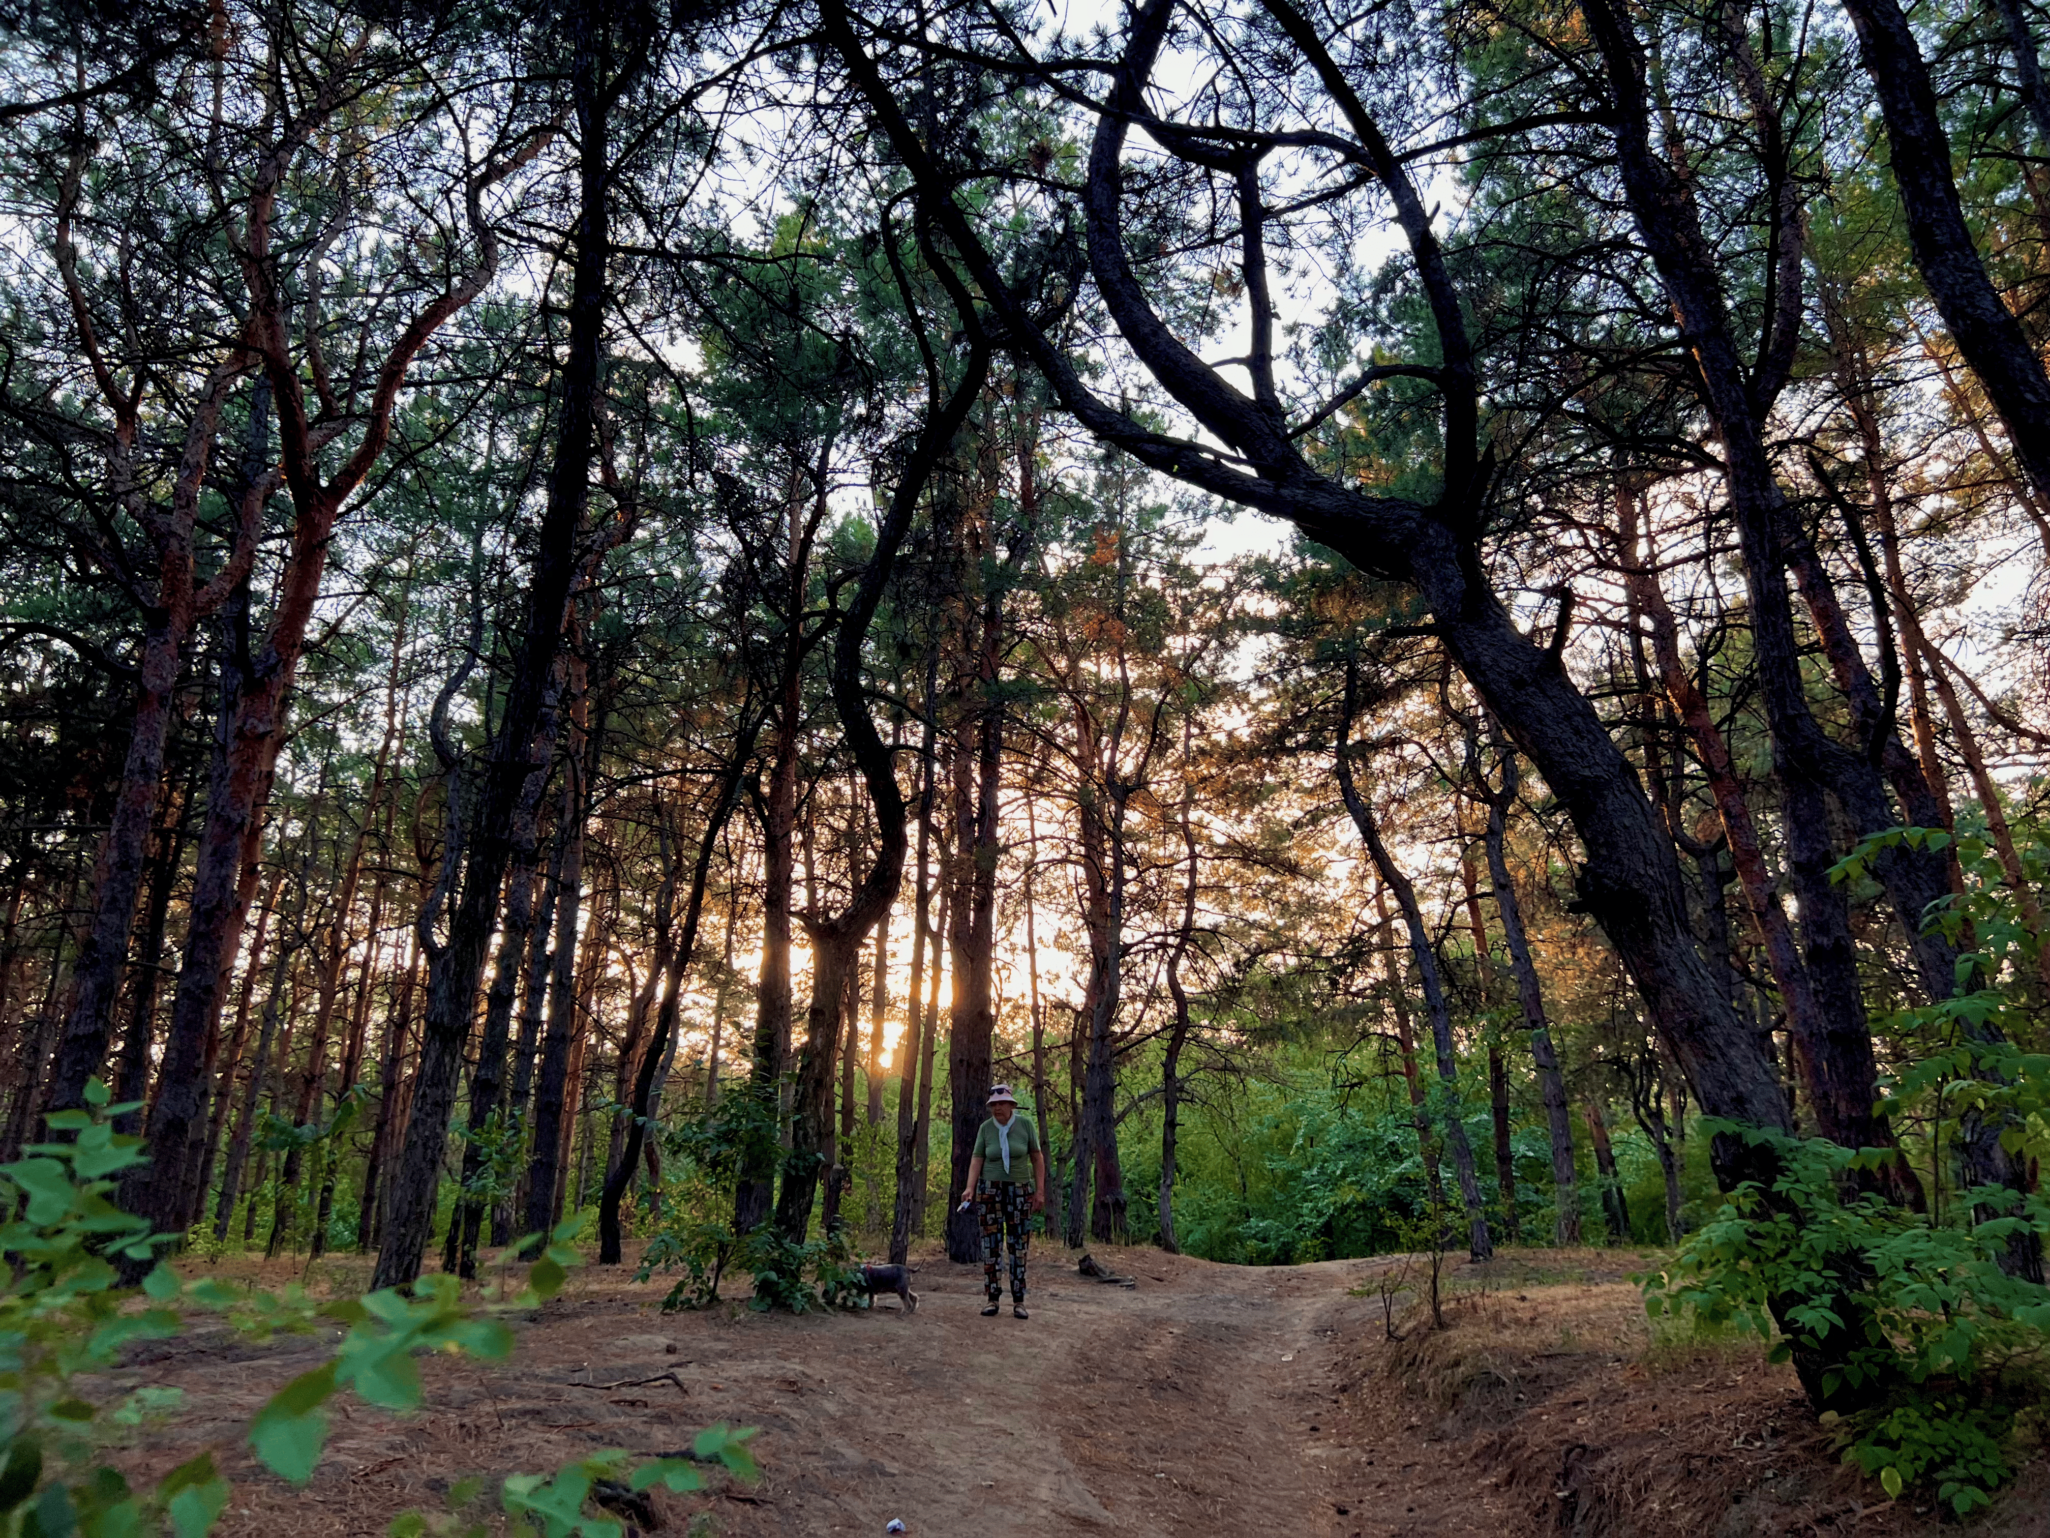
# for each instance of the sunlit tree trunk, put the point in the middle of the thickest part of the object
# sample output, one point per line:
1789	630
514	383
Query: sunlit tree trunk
913	1050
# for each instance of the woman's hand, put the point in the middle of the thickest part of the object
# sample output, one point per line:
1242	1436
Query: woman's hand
1038	1200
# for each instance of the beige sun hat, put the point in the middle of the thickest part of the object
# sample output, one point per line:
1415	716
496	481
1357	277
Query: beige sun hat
1000	1094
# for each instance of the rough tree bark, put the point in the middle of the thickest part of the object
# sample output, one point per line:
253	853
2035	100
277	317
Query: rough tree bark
553	1078
454	968
836	941
179	601
1985	330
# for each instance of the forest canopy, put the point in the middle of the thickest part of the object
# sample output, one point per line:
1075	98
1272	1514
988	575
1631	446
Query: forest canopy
1415	619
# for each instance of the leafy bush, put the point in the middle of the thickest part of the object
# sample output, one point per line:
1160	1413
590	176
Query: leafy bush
1958	1448
1277	1173
796	1278
63	1316
695	1230
1922	1334
1908	1317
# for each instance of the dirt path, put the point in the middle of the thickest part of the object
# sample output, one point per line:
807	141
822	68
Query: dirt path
1210	1399
1205	1396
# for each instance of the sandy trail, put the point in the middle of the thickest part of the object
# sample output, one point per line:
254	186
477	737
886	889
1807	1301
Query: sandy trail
1202	1400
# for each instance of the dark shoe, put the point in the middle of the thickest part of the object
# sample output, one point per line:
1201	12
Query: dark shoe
1018	1311
990	1312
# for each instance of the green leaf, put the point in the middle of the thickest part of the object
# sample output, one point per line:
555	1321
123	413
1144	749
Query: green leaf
389	1379
74	1409
485	1339
21	1473
96	1092
117	1519
546	1278
47	1184
674	1474
194	1496
1890	1482
290	1431
195	1509
161	1284
407	1524
53	1516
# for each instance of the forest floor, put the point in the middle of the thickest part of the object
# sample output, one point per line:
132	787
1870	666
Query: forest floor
1208	1399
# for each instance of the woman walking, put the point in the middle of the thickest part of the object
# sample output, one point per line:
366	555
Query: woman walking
1007	1176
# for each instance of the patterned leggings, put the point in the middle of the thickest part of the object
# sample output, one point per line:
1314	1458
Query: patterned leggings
1006	1208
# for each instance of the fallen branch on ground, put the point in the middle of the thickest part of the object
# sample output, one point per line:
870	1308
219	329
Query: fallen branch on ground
1089	1267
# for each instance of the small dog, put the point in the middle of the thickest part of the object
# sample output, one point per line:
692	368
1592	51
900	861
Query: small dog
897	1279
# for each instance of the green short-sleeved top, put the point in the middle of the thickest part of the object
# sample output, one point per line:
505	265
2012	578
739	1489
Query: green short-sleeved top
1024	1140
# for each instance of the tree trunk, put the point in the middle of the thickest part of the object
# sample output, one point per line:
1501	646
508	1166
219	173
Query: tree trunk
646	1103
369	1210
1834	1044
565	1027
1614	1209
971	1021
454	973
1498	1072
1479	1245
836	942
755	1190
914	1046
352	1069
245	1123
850	1054
878	1008
118	873
1986	332
719	998
1405	1047
231	1060
921	1182
1530	999
1178	1037
131	1080
487	1122
1042	1095
1647	1104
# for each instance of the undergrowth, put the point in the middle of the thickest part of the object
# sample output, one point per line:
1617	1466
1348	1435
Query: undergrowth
63	1318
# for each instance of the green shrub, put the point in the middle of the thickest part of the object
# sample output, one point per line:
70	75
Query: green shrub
1916	1322
1909	1315
63	1316
695	1231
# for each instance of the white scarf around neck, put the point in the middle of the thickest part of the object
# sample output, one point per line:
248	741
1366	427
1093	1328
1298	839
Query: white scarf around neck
1004	1141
